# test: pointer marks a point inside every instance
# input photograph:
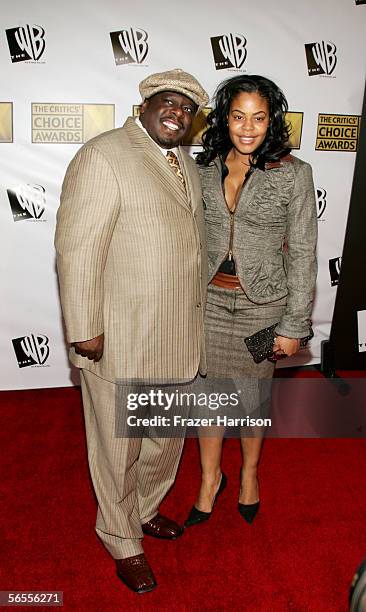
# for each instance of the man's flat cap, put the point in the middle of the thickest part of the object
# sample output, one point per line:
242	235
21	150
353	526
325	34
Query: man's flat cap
174	80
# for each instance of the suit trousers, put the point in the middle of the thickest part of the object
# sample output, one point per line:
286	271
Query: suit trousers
130	475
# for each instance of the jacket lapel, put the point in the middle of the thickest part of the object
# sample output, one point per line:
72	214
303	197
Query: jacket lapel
190	190
155	163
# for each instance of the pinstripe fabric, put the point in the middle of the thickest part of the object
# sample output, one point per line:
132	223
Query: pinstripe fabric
130	475
131	258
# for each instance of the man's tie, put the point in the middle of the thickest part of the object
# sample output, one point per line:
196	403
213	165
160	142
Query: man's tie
174	163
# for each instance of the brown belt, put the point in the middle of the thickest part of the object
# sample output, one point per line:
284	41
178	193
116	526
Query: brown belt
226	281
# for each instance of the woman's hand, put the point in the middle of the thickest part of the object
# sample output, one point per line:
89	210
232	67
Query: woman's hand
286	346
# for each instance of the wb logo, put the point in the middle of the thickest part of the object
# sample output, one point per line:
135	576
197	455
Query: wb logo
321	201
27	202
335	270
321	58
26	43
229	51
31	350
129	46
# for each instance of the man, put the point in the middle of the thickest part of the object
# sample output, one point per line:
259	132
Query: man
132	269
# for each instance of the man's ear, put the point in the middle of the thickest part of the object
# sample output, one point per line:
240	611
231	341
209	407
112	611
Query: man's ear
143	106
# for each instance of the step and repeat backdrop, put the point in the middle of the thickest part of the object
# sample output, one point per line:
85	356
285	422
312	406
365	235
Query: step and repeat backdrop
71	70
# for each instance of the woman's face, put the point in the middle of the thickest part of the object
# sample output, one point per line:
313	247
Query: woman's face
248	121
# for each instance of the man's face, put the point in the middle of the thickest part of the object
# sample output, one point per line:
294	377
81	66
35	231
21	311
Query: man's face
167	117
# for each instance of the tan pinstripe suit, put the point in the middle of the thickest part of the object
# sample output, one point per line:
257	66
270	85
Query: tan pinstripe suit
131	260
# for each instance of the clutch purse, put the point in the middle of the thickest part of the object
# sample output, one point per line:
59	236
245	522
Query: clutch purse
260	344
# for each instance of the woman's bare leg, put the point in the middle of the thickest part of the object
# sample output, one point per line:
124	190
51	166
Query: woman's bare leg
251	450
210	454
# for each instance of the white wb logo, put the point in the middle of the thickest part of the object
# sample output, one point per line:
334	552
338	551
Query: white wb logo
31	40
27	202
26	43
321	201
36	347
321	57
229	51
31	350
129	46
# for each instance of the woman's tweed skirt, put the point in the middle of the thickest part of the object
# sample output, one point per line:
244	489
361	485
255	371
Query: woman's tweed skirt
231	317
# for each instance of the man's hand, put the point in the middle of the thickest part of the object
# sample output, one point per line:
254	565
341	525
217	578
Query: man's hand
286	346
92	349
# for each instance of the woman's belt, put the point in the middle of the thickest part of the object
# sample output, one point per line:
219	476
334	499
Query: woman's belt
226	281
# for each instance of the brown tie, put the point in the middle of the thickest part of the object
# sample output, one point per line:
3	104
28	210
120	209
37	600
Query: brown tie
174	163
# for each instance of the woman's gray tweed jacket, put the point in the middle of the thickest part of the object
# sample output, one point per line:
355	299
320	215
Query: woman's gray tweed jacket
274	236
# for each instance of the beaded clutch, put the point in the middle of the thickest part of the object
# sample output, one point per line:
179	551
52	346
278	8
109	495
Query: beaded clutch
260	344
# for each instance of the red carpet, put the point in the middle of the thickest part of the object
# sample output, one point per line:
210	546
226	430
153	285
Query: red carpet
300	553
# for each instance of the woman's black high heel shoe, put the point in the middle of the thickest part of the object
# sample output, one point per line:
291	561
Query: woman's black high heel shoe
198	516
248	511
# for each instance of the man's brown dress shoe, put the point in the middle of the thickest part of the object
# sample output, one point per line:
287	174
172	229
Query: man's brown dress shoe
136	573
162	527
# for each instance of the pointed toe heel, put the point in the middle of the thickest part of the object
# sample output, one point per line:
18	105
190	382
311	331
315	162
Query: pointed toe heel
198	516
248	511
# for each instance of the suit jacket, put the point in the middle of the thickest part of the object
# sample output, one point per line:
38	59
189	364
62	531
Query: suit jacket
131	258
274	236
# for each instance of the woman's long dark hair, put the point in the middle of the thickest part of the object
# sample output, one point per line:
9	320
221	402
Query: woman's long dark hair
216	140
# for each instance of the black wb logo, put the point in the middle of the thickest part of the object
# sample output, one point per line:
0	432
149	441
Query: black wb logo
129	46
335	270
321	201
321	58
31	350
229	51
26	43
27	202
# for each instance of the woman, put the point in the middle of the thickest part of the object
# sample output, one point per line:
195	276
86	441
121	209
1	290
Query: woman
261	234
